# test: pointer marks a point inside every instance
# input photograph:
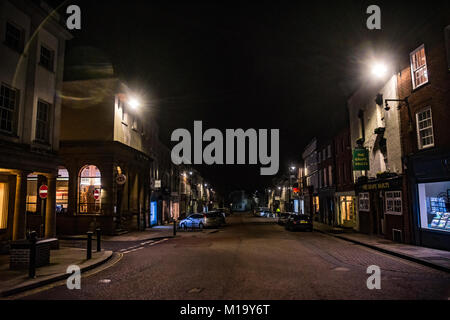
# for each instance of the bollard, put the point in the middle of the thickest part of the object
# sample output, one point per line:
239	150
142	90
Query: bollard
32	258
99	240
174	227
89	245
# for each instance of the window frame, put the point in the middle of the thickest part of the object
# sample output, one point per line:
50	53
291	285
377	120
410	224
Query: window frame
51	66
419	138
21	30
366	197
413	78
14	112
47	123
393	196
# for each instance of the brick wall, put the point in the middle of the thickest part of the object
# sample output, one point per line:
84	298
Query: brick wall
434	94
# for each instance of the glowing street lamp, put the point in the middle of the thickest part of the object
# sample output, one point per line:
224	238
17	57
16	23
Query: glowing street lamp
379	70
134	103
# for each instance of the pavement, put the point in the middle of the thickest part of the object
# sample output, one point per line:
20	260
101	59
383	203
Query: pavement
438	259
17	281
251	259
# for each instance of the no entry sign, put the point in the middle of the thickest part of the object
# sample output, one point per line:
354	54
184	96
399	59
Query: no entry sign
43	191
96	194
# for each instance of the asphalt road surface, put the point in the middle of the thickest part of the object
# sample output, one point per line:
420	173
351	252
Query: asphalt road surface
253	258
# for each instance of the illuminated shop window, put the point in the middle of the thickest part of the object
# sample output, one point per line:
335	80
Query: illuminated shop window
347	208
62	190
364	202
3	205
434	204
89	183
316	204
32	193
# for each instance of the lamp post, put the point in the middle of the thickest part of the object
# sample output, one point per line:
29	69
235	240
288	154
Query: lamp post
291	169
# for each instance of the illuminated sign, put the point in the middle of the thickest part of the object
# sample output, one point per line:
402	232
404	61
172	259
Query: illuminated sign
361	159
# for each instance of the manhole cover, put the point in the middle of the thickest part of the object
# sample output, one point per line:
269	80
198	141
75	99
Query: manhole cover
195	290
105	281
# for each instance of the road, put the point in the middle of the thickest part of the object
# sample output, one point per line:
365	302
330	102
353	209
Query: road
253	258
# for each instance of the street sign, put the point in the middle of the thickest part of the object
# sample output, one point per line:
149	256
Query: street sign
121	179
157	183
97	194
360	159
43	191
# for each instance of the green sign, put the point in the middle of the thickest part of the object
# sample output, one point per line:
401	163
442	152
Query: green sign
360	159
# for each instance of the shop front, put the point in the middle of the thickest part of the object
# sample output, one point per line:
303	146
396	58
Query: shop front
430	185
346	210
381	208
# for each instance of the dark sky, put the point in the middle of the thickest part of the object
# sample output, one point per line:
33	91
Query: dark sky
286	65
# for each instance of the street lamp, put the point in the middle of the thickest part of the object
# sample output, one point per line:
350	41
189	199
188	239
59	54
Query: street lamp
379	70
134	103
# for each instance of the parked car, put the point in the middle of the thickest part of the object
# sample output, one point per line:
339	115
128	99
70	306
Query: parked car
200	221
283	217
219	217
299	222
225	210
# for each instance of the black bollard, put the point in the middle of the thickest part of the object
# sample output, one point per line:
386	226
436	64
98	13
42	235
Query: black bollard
174	227
89	245
99	240
32	260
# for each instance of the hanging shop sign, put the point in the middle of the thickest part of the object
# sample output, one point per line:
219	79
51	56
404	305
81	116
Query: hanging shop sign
360	159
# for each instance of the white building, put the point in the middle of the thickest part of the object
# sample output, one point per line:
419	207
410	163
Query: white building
31	72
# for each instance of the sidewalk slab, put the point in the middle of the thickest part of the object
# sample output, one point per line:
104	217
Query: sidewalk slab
434	258
16	281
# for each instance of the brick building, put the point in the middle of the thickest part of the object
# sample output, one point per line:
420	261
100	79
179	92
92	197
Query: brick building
345	198
424	80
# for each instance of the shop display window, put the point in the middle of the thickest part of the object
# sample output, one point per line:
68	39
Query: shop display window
32	193
89	182
347	209
3	205
434	204
62	190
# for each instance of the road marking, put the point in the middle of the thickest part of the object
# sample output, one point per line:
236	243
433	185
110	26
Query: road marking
195	290
135	248
105	281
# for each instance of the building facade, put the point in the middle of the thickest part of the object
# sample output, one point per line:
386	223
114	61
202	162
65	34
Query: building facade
380	183
345	198
424	80
31	74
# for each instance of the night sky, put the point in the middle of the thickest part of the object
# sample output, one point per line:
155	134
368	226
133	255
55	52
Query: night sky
286	65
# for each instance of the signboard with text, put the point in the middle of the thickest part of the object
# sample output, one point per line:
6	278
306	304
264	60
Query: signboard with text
360	159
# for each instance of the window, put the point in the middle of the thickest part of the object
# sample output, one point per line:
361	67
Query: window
347	209
32	193
8	109
364	202
330	175
419	73
62	190
434	204
425	129
47	57
329	151
14	37
3	205
42	121
316	204
89	184
393	202
325	182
